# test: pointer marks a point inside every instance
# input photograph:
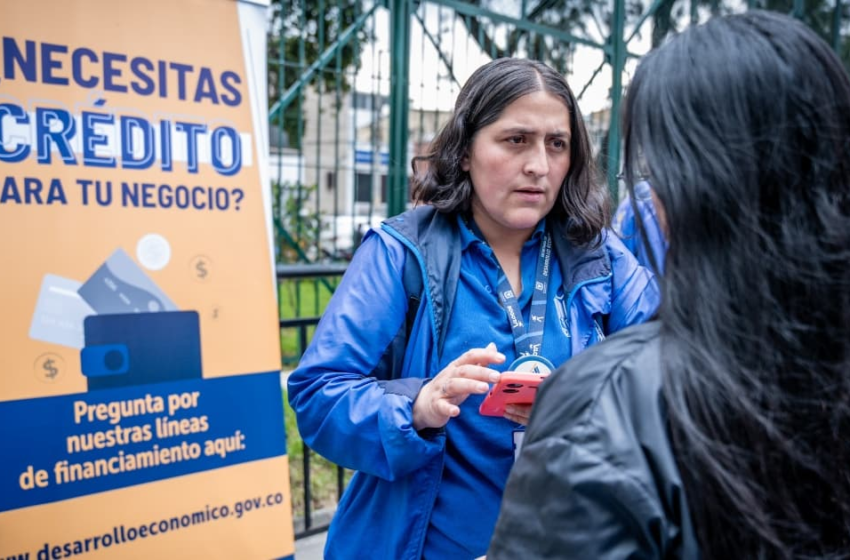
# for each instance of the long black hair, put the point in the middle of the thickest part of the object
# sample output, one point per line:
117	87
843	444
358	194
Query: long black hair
583	201
743	125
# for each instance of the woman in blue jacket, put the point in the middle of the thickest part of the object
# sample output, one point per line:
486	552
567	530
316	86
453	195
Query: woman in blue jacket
507	259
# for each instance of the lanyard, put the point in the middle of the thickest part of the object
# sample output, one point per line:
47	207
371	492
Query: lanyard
526	342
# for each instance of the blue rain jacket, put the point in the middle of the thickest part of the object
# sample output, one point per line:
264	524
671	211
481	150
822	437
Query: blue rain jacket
626	227
354	388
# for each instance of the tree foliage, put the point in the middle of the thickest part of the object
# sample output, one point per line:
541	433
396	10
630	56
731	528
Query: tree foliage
299	32
297	228
592	19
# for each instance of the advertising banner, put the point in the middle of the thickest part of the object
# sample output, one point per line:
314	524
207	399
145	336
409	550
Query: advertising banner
141	411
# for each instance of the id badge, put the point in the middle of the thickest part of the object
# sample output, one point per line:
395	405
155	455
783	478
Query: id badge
532	364
518	436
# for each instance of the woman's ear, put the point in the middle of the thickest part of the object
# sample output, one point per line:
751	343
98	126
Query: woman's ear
660	214
464	163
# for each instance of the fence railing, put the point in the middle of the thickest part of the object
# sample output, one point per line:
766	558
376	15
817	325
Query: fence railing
324	275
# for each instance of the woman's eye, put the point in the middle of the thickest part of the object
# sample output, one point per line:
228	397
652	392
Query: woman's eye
516	139
559	144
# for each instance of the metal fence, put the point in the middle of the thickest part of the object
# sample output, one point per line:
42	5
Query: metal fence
359	87
297	331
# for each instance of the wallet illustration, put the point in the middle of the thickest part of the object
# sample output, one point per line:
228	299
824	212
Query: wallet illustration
128	330
139	348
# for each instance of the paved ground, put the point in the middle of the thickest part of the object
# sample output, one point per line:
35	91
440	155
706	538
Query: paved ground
310	548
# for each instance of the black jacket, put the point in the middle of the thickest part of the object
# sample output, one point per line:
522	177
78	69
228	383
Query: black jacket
596	477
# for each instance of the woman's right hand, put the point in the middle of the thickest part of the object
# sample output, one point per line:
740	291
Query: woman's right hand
439	399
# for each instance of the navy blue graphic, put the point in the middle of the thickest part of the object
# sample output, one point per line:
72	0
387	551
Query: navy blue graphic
140	348
241	415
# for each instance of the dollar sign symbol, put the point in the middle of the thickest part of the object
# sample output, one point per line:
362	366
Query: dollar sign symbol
202	270
50	370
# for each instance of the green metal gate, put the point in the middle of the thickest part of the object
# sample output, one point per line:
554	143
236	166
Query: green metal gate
359	86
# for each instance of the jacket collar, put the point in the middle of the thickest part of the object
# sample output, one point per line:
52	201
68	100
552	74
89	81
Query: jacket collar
436	240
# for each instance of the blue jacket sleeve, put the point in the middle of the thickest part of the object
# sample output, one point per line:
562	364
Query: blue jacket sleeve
344	413
635	297
625	225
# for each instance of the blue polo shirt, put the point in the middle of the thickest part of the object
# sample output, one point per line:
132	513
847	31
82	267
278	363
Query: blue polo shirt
479	449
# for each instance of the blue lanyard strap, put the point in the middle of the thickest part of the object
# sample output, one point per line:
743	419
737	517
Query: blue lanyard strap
528	342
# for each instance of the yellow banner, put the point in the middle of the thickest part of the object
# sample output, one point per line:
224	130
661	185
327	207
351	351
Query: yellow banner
140	400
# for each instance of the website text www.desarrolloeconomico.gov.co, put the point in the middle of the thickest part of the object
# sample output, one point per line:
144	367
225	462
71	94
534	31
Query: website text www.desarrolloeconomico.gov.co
121	534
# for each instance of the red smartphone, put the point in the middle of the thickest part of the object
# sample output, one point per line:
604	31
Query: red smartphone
512	388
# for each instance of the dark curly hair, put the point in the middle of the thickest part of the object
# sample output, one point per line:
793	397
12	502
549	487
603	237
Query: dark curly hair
583	202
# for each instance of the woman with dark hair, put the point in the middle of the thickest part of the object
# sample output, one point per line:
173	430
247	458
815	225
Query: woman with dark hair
719	430
580	200
436	302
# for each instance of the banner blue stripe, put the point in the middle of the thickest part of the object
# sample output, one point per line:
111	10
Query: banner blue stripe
74	445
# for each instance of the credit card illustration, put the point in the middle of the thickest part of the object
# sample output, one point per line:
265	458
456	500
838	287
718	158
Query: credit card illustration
121	286
59	312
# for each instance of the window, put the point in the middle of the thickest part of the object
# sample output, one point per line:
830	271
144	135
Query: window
363	187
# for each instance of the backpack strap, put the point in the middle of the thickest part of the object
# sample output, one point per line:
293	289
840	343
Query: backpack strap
412	279
390	365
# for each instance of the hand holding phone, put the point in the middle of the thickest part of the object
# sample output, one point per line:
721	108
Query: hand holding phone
512	388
